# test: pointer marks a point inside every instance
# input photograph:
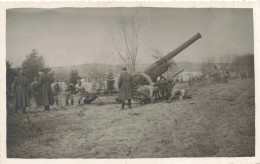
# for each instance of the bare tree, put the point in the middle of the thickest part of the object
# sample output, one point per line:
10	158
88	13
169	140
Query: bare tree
156	54
243	64
208	66
131	31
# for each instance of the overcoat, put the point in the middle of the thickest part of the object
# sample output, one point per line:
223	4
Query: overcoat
45	96
124	85
20	92
34	94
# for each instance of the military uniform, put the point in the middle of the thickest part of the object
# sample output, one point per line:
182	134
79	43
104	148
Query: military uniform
178	92
34	94
69	94
45	96
147	91
20	92
56	92
124	85
80	90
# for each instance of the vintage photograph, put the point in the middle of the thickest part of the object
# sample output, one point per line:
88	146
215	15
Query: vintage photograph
140	82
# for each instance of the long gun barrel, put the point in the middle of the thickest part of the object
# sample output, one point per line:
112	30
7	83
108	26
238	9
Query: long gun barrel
161	66
178	73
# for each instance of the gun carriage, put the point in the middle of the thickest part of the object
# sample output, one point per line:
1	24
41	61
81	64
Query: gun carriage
202	77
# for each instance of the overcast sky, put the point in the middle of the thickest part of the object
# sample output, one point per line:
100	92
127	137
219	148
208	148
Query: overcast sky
72	36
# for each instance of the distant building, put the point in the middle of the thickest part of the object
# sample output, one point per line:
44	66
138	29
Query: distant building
185	76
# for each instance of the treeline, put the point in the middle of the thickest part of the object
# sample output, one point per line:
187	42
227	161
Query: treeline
236	66
243	64
34	62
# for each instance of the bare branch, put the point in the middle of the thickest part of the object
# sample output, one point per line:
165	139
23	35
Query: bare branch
127	46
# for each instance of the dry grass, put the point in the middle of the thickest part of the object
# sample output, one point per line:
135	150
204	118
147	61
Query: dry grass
217	121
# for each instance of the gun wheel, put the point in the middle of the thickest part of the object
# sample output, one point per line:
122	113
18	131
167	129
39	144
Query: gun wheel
138	80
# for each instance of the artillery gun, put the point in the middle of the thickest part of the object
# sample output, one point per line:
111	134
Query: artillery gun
202	77
151	73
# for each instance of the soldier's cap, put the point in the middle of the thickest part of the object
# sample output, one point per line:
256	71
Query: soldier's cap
123	68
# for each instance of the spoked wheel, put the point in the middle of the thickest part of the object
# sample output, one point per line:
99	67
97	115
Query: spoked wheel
138	80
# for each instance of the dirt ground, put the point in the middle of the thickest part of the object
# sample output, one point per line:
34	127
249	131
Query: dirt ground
219	121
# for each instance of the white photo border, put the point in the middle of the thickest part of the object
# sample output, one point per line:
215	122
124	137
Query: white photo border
255	5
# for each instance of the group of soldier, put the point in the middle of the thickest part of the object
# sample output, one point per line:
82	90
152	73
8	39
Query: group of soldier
43	91
165	89
40	89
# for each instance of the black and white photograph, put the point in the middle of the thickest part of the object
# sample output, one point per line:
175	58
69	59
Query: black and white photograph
129	82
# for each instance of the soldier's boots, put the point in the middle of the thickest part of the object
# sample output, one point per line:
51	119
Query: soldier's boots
79	102
72	102
129	103
47	108
24	110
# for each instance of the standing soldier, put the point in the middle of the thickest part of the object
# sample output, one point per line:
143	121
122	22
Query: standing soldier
56	91
34	93
124	85
80	90
45	97
69	94
20	92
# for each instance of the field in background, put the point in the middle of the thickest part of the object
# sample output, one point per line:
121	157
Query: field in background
219	120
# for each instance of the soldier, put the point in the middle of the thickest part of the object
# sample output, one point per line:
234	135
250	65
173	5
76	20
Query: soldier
80	90
190	82
124	85
56	91
45	96
148	91
165	87
179	92
69	94
34	93
20	92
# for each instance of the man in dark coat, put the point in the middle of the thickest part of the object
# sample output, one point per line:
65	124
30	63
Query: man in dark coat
124	85
20	92
45	96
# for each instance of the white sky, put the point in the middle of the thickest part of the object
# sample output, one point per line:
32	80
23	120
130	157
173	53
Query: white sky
72	36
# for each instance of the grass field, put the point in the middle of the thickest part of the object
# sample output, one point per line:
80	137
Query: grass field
219	121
